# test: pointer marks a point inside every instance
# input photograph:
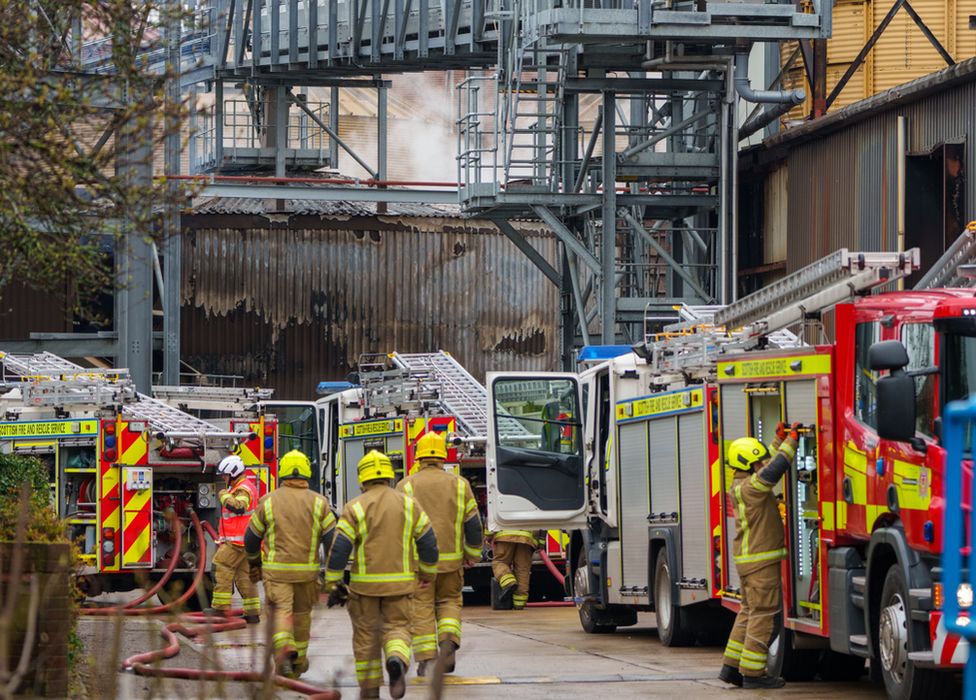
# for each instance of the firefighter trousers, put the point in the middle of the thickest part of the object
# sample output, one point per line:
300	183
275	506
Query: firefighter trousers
231	569
748	645
380	625
291	604
435	614
511	563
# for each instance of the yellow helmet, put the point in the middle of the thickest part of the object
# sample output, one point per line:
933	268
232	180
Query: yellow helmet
431	446
295	465
745	452
375	465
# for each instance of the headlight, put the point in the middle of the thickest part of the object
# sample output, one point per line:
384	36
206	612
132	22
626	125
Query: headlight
964	595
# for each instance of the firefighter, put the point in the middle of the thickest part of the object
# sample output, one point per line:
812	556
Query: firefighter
511	564
759	547
391	541
449	503
230	565
291	522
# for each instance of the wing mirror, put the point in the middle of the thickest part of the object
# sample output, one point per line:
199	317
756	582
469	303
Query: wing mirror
895	391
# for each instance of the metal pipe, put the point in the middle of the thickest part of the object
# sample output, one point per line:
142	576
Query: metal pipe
901	152
590	147
158	272
748	93
761	120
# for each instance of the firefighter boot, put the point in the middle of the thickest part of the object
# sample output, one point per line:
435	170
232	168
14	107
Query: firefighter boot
252	619
730	674
762	682
301	666
285	663
368	693
215	612
422	668
447	649
398	677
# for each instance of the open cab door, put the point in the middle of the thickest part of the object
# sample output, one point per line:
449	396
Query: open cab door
536	471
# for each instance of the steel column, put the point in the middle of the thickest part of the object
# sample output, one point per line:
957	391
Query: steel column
608	242
172	243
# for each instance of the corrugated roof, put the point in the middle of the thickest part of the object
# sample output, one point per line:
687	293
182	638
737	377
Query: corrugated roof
307	207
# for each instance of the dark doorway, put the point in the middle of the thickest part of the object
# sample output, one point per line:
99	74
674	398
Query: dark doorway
934	202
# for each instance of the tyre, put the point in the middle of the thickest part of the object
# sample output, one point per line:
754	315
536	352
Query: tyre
593	620
896	637
673	622
792	664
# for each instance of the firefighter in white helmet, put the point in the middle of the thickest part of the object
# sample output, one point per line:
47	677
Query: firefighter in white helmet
389	537
449	502
292	522
237	502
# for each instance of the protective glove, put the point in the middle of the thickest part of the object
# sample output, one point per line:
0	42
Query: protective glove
782	510
781	431
795	431
339	595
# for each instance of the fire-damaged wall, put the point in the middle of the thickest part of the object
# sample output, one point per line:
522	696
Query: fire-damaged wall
287	299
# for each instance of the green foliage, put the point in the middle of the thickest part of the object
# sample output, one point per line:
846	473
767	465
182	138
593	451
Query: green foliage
63	203
43	524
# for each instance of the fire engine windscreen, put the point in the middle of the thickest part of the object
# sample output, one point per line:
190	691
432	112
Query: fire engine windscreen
538	437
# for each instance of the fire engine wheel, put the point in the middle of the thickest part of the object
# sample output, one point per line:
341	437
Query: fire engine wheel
673	626
592	619
897	636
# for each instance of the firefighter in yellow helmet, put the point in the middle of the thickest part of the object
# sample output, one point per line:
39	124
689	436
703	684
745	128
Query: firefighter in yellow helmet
292	522
388	537
237	502
449	502
759	546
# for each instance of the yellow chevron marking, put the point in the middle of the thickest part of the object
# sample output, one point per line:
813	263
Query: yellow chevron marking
135	452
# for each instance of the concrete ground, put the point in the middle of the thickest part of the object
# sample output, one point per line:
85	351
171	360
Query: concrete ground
537	653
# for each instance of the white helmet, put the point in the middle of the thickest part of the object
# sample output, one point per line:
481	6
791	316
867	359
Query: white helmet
231	466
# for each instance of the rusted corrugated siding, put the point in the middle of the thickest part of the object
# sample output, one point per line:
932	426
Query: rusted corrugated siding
24	311
288	305
842	186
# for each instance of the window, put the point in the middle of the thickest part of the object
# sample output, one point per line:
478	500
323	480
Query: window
865	393
537	414
919	341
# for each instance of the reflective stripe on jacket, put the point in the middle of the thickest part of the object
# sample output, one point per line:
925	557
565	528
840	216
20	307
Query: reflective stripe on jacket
759	539
291	521
382	526
242	493
520	536
448	501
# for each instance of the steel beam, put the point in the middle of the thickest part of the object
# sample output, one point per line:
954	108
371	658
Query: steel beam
326	193
608	238
101	344
678	269
528	250
862	54
567	237
172	238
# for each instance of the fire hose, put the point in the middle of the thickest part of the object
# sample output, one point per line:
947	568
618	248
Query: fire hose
139	663
559	576
174	557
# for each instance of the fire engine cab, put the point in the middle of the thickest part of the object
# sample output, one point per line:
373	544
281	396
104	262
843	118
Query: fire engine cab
645	485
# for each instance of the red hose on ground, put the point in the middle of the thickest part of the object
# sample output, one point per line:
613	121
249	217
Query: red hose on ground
159	609
177	546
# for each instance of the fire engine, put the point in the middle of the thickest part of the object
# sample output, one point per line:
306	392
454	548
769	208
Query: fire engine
643	483
130	475
400	397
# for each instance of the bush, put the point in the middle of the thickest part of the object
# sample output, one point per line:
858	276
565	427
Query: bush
42	520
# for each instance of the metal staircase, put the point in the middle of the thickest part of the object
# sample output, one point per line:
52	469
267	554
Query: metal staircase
692	346
946	271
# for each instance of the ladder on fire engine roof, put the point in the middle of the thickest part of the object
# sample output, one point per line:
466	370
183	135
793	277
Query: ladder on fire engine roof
692	347
212	398
946	271
49	380
458	392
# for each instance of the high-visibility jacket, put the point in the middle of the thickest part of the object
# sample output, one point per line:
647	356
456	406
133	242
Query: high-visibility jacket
759	540
291	522
449	503
389	537
519	536
237	504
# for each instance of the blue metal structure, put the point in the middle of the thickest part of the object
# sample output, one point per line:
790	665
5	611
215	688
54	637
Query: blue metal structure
957	571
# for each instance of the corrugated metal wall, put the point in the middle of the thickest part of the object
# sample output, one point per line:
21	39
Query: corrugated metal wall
842	186
289	305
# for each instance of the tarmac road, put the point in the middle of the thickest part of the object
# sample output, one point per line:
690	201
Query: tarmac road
537	653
